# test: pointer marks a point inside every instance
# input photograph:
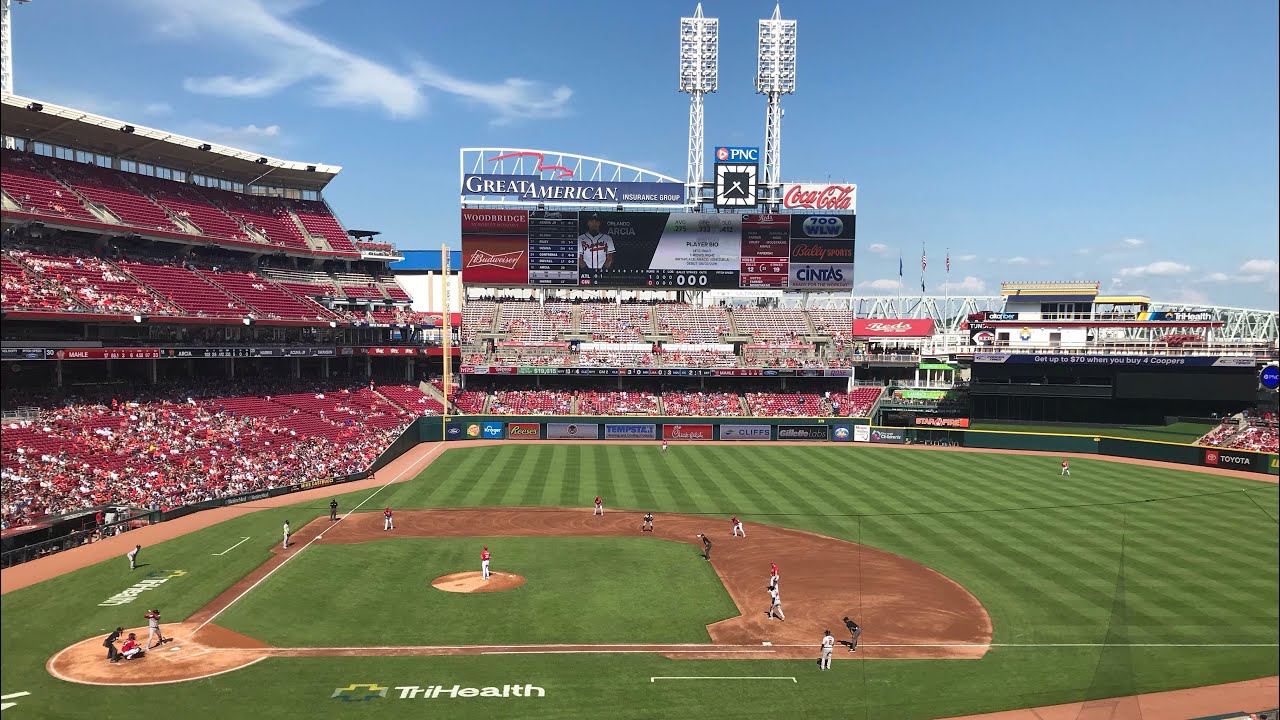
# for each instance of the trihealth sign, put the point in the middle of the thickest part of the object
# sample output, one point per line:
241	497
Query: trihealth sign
152	581
370	692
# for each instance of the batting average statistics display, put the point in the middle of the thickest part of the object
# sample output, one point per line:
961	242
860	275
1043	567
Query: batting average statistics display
811	252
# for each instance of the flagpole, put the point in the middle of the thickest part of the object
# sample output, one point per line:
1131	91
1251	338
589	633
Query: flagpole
946	285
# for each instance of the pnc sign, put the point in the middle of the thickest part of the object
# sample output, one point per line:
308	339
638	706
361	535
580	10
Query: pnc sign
737	154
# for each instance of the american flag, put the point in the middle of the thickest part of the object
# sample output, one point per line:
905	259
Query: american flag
924	262
948	261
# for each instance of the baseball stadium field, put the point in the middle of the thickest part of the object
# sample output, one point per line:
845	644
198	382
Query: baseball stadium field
982	582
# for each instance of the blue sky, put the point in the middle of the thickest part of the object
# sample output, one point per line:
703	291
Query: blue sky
1134	143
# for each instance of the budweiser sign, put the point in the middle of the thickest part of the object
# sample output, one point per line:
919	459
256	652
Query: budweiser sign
506	261
820	197
892	328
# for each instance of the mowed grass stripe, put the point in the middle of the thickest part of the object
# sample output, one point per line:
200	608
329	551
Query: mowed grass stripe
712	498
758	495
533	473
679	466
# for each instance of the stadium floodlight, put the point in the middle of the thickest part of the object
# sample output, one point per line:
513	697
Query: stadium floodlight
775	77
699	75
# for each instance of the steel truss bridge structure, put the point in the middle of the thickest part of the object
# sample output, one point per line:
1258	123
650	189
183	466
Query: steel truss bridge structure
1239	324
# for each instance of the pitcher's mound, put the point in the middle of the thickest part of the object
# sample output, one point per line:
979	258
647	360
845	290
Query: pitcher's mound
471	582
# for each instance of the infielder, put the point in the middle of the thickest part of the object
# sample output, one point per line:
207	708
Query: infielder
484	563
855	631
133	557
647	525
1066	469
775	604
773	574
599	507
737	527
387	523
153	629
287	533
595	249
828	643
706	547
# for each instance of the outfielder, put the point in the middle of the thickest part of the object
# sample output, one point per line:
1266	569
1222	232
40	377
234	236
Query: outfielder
153	629
828	643
599	507
647	525
595	249
133	557
855	631
287	533
484	563
664	444
737	527
387	524
1066	469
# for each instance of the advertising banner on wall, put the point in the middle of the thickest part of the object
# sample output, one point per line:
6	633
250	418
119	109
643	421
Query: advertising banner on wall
802	432
681	431
1231	459
862	433
891	436
817	196
943	422
573	431
523	431
495	260
463	431
533	189
746	432
1120	360
646	431
841	433
863	327
491	430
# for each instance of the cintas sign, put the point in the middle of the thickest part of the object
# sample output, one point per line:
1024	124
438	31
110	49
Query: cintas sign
820	197
867	328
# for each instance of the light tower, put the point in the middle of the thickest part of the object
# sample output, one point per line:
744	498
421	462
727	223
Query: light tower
775	77
699	74
6	46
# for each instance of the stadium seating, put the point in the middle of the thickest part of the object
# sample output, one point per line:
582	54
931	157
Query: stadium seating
412	399
836	323
534	321
187	290
95	284
857	403
477	317
21	290
617	403
702	404
265	297
192	207
531	402
261	214
609	322
692	324
37	192
770	325
786	404
317	219
112	191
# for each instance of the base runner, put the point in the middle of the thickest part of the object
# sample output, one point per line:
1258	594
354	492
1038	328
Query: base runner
775	604
484	563
828	643
737	527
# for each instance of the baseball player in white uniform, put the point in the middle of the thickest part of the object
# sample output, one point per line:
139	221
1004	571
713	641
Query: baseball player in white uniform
287	533
828	643
133	557
737	527
775	606
484	563
387	523
153	629
595	249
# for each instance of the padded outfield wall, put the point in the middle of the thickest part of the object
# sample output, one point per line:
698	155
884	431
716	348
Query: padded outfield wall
462	428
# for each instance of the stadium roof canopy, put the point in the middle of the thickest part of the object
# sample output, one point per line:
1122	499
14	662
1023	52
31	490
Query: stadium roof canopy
68	127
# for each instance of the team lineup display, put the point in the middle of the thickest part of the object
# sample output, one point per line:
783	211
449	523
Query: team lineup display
658	249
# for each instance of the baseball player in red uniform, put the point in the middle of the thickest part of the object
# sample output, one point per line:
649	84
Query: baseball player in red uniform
1066	469
737	527
387	524
131	649
484	562
664	444
599	507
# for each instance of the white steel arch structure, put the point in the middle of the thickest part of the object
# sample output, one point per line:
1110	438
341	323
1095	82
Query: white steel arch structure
551	165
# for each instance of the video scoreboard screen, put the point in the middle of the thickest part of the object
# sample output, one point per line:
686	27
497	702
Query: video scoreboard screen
658	250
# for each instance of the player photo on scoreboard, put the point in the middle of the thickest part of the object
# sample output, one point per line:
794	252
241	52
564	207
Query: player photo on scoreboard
621	243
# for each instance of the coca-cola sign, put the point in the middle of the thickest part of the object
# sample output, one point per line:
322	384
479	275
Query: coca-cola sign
892	328
688	432
820	197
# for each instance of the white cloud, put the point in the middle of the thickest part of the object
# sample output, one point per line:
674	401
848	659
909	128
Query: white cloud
969	284
1190	296
966	258
1259	270
1133	242
1216	277
247	137
290	55
1018	260
878	248
157	108
1083	251
883	285
1160	268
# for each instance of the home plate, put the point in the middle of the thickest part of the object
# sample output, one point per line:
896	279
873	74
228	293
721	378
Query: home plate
175	649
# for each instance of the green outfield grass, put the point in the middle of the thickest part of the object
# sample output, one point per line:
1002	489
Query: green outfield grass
1179	432
641	590
1117	557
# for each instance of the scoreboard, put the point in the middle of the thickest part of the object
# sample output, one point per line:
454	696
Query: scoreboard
658	250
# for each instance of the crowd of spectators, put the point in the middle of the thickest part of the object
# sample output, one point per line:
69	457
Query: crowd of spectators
1251	430
591	402
158	451
702	404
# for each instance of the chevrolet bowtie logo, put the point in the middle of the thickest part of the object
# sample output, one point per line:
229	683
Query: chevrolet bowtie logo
359	692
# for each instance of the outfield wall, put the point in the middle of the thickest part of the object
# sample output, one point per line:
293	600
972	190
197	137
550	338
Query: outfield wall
461	428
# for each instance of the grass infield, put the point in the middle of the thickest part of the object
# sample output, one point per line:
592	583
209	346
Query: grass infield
1114	557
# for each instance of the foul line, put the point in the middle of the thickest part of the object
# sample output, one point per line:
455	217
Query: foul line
233	547
615	652
429	455
722	677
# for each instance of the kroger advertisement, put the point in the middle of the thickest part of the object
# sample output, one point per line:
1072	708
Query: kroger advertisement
811	252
